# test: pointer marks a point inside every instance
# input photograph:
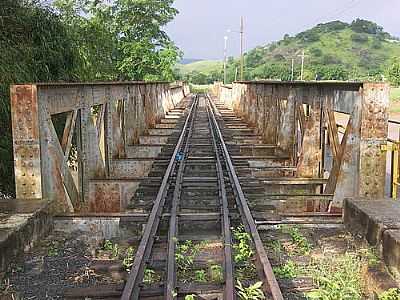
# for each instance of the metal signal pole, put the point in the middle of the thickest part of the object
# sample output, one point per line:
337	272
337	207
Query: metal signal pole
241	48
225	56
292	76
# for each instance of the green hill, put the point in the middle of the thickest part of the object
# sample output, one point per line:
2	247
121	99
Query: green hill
336	50
205	66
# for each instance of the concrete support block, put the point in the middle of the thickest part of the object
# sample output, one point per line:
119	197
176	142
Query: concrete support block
391	250
378	221
371	218
22	223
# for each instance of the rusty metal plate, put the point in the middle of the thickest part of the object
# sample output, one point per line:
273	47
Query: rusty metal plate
105	197
25	126
372	169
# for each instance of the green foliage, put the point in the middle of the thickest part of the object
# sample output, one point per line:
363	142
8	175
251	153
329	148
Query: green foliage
289	270
123	39
364	26
129	258
329	72
34	46
184	255
390	294
253	292
335	51
395	94
110	246
359	38
217	274
242	248
200	276
184	258
275	245
303	247
200	78
337	278
393	71
199	89
246	272
82	40
52	249
149	276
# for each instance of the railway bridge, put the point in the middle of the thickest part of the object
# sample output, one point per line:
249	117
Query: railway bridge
191	178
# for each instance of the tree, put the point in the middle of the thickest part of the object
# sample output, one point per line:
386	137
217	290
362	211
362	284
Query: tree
364	26
93	42
126	38
393	71
335	72
34	47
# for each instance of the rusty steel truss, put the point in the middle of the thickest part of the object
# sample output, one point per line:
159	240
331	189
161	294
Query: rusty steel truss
300	118
65	135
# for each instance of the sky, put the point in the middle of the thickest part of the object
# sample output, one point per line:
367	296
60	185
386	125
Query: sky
201	25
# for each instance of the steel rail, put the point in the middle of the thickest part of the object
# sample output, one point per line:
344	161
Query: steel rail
170	292
132	288
229	289
268	279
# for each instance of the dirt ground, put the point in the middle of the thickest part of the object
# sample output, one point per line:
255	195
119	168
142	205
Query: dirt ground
300	258
57	263
311	263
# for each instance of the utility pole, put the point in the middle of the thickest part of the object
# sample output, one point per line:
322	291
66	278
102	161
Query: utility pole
241	48
292	76
302	64
236	73
225	56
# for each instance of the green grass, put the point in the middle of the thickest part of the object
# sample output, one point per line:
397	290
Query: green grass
395	94
204	66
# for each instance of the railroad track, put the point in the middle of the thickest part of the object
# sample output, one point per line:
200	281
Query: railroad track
200	165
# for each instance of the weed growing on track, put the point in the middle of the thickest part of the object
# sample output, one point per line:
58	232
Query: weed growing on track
52	249
217	273
129	257
150	276
241	247
243	253
337	277
184	256
200	276
252	292
391	294
110	246
302	246
288	270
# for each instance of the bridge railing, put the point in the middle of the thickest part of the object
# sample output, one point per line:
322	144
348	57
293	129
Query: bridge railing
393	158
299	118
66	134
